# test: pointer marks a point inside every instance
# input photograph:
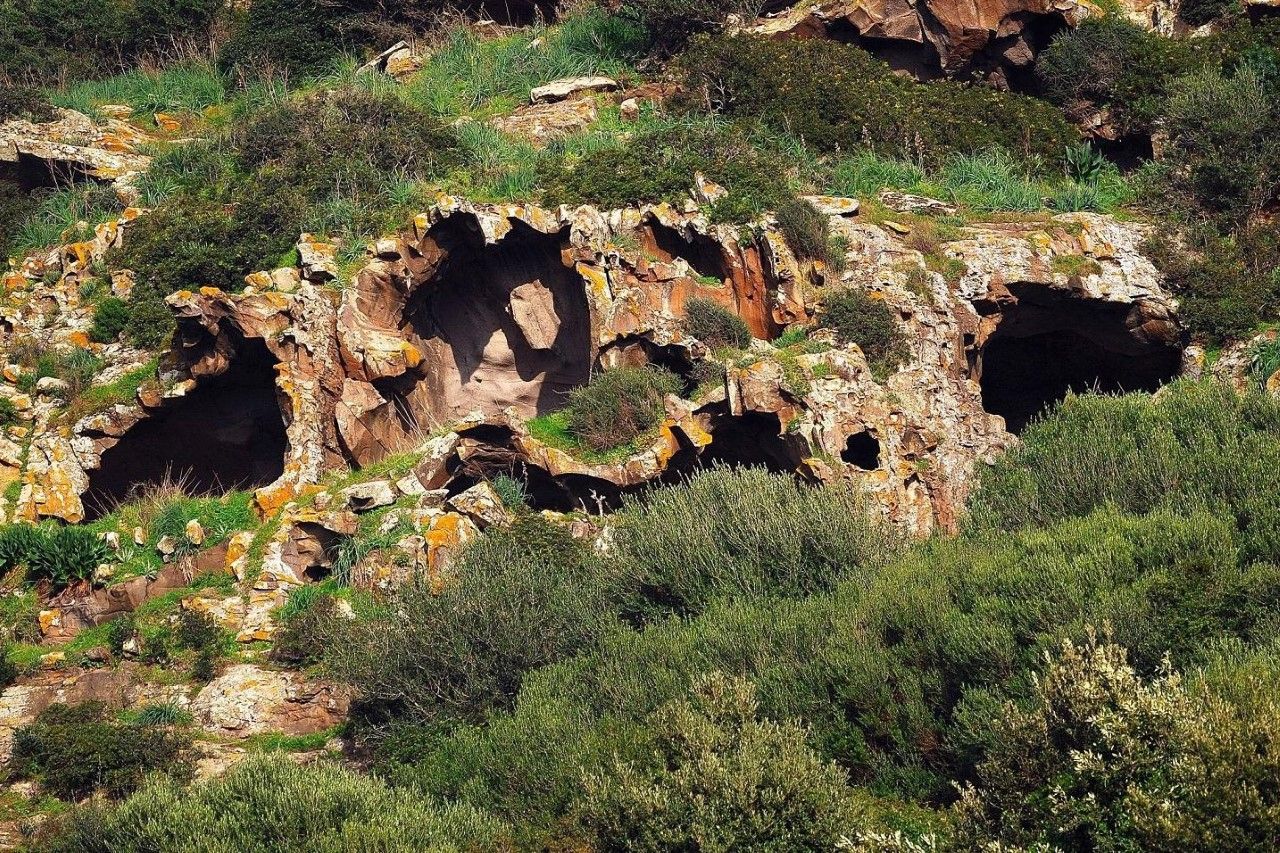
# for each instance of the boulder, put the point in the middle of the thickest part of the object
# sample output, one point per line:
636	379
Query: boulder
559	90
247	700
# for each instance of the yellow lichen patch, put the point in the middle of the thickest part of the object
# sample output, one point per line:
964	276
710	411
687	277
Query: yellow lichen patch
269	500
212	292
79	339
412	355
259	280
49	619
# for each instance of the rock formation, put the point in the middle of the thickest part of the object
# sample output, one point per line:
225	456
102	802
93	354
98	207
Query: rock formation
479	317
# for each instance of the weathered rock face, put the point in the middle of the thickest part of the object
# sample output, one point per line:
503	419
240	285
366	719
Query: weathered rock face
247	700
480	317
73	147
991	39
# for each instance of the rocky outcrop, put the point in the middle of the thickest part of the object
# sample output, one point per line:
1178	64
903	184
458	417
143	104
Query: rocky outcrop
993	39
247	700
478	318
73	147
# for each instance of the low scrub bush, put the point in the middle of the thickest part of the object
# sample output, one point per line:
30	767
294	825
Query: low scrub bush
76	750
1105	760
719	778
306	627
715	325
110	318
1110	63
51	41
659	165
516	599
1226	285
671	23
746	534
897	672
841	98
23	102
808	232
856	318
271	803
1196	444
1223	155
619	405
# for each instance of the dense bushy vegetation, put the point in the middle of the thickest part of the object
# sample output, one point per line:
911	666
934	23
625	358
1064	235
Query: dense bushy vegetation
857	318
840	97
738	660
574	696
48	40
78	749
714	325
619	405
270	804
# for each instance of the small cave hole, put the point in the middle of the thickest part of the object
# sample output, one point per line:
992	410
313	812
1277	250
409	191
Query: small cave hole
226	435
702	253
862	450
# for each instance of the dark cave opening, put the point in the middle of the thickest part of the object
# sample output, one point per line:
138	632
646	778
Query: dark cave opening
226	435
702	253
1040	352
505	325
862	450
753	440
29	174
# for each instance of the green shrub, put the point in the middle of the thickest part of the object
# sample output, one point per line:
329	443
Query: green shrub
18	544
1105	761
1110	62
8	412
896	672
746	534
23	102
1223	155
270	804
76	750
151	324
715	325
838	97
68	554
659	165
806	230
619	405
305	628
511	492
51	41
719	778
856	318
109	320
298	37
1196	444
515	599
1226	285
671	23
1200	12
9	670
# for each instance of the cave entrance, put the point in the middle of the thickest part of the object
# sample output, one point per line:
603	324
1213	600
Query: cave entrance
862	450
226	435
754	440
504	325
703	254
1048	344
